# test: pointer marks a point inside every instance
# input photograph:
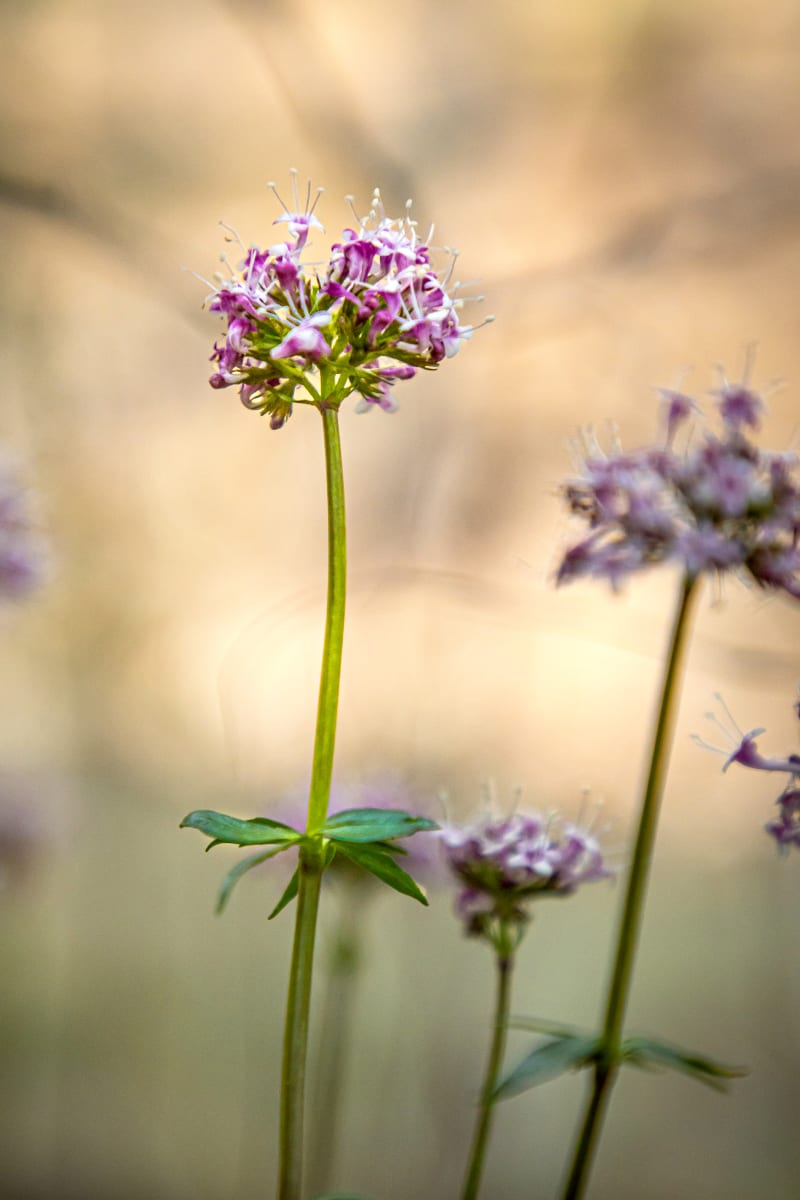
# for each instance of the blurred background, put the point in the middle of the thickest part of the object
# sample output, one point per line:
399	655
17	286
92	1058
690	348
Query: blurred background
624	178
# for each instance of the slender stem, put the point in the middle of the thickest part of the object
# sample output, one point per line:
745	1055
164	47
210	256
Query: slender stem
295	1038
335	1030
633	908
328	704
480	1138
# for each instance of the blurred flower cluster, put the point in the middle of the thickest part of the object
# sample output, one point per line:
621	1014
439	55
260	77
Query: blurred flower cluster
504	864
785	828
722	505
377	312
21	550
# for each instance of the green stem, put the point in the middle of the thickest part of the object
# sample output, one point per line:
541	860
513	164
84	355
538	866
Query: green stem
633	910
328	704
480	1138
295	1038
335	1029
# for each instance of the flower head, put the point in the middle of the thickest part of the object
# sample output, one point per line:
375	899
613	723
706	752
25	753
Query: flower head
722	505
379	311
503	864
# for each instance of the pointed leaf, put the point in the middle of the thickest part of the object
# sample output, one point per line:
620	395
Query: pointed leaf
260	831
238	870
381	864
374	825
553	1058
649	1053
288	896
542	1025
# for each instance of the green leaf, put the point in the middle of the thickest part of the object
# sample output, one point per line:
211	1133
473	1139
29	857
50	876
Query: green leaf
648	1053
260	831
241	868
542	1025
374	825
288	895
381	864
553	1058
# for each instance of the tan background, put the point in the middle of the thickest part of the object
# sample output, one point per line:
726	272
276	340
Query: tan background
623	177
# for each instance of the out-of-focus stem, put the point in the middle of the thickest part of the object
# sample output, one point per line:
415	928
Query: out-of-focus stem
608	1058
335	1026
494	1063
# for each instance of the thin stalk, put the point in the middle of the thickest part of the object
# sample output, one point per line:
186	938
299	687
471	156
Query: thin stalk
483	1125
335	1029
295	1038
633	909
328	703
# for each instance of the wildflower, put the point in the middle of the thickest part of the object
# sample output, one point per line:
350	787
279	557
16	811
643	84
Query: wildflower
722	505
785	829
502	865
298	333
21	553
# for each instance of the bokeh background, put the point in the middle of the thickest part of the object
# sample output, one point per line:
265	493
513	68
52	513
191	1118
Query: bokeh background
624	179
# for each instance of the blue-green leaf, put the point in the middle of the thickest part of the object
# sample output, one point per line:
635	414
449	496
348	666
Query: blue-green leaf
260	831
288	895
241	868
382	865
374	825
553	1058
649	1053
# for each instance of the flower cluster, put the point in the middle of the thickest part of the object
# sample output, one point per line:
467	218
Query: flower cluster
785	828
723	505
21	553
504	864
377	313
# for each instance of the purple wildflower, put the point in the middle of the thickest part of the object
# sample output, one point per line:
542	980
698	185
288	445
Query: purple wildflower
21	551
504	864
785	829
722	505
384	310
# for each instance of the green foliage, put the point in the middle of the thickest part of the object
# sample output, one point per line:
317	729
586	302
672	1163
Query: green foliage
570	1049
260	831
288	896
380	863
238	870
650	1054
374	825
363	835
565	1052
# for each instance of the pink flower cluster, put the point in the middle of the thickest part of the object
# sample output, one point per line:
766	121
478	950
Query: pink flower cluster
723	505
377	313
504	864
